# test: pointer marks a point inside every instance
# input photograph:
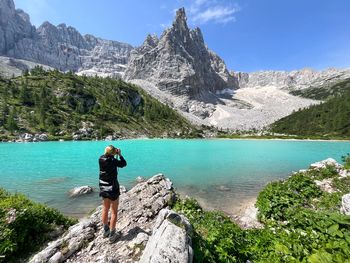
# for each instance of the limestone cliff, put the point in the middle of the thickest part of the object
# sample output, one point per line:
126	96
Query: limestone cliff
61	47
179	62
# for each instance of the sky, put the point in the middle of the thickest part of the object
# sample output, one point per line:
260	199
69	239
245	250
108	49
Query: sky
249	35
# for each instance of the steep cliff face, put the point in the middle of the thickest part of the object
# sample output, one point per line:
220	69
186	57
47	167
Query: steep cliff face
292	80
179	62
14	26
61	47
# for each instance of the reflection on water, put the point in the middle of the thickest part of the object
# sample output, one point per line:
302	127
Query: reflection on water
54	180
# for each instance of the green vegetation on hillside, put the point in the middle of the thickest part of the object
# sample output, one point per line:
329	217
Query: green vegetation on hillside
59	104
322	93
26	225
330	119
302	224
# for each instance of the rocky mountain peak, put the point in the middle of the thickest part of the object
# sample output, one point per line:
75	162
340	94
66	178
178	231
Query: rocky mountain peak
151	40
180	21
62	25
46	26
182	61
61	47
197	35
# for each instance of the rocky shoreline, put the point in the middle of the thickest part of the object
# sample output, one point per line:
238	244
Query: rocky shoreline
247	216
147	225
151	231
43	137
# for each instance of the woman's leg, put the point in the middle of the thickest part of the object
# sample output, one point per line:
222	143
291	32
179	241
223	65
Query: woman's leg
114	211
106	205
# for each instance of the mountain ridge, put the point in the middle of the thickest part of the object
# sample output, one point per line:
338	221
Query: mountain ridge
177	68
61	47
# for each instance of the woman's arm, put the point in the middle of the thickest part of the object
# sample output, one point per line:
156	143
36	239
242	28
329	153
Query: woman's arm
121	162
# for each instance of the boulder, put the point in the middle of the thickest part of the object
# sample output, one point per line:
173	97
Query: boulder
345	204
81	190
140	179
137	215
76	137
325	163
326	185
109	138
170	240
248	217
27	137
122	189
344	172
43	137
11	215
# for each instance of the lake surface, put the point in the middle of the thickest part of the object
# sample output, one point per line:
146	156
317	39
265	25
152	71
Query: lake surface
221	174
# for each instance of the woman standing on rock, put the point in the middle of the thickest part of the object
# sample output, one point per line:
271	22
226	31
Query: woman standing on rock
109	189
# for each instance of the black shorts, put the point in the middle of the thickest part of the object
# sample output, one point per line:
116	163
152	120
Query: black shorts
112	194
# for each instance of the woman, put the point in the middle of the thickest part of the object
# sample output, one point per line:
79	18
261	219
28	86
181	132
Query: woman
109	189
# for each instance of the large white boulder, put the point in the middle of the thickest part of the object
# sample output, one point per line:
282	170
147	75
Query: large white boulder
325	163
170	240
345	204
81	190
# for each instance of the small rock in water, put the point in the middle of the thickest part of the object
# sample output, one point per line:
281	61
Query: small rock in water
140	179
77	191
224	188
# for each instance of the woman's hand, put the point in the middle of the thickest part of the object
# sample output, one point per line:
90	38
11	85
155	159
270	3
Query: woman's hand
119	152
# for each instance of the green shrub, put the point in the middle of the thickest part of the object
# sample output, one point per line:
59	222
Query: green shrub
346	160
302	224
276	197
342	184
319	174
31	225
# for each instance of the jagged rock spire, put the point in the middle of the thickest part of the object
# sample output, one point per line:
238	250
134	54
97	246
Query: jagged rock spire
183	63
180	19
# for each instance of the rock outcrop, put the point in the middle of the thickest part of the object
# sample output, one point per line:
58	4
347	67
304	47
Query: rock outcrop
170	236
246	218
324	163
61	47
81	190
346	204
292	80
179	62
141	219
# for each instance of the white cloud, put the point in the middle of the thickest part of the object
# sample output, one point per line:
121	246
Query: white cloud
206	11
217	14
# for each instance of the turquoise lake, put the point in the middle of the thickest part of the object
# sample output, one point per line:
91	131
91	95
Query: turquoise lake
221	174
